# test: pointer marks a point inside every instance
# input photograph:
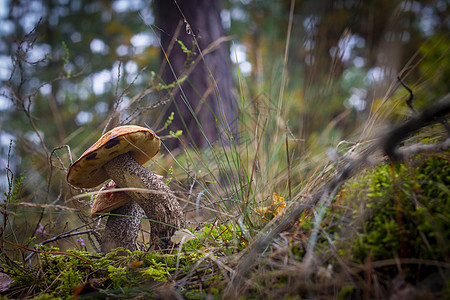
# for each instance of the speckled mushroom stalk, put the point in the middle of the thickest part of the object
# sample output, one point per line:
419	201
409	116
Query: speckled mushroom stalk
122	231
122	226
158	202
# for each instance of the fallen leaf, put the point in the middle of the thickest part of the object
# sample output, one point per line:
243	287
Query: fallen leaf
274	209
135	264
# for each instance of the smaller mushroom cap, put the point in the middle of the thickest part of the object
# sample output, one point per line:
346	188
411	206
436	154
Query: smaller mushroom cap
87	172
106	202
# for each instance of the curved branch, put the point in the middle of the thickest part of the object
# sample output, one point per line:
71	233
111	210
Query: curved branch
436	112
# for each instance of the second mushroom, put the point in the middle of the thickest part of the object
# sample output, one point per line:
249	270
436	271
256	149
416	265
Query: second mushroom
124	221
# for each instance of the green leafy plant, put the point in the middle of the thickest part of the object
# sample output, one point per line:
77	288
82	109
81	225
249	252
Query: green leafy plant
14	195
65	58
176	134
169	120
169	176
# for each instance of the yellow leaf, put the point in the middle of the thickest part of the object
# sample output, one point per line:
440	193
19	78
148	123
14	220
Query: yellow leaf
274	209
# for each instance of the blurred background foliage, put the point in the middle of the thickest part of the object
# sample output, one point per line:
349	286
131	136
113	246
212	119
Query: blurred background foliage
325	67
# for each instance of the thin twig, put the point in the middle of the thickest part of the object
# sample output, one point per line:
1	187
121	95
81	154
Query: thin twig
50	252
66	234
10	178
288	162
411	95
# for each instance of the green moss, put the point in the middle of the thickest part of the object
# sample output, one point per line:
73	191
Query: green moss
59	274
346	291
224	236
398	211
47	297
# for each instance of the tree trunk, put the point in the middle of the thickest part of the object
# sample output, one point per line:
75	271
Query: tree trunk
213	106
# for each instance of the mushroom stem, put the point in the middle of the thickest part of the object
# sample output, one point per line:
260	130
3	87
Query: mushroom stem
158	203
121	231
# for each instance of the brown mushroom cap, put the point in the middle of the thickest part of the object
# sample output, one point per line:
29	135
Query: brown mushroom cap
140	142
106	202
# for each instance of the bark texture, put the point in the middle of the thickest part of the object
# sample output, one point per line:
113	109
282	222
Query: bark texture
208	101
122	231
151	194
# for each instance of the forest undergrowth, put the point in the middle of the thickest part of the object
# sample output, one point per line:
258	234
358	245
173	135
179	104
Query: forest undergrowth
271	214
372	221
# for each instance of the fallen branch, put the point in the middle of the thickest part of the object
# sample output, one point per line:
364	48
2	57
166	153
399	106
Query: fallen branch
436	112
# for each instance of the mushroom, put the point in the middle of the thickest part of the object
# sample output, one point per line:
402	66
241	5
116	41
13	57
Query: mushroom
119	155
122	227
